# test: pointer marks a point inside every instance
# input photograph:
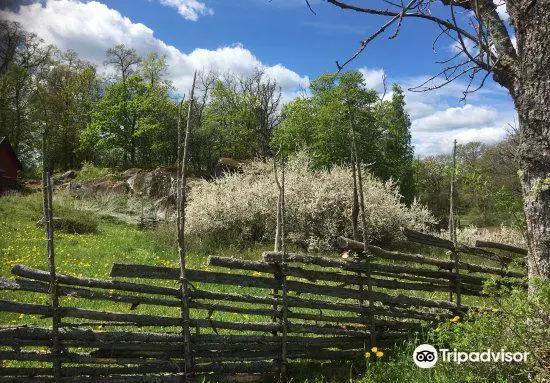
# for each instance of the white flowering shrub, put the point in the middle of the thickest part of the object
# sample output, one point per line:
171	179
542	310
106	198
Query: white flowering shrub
318	205
505	234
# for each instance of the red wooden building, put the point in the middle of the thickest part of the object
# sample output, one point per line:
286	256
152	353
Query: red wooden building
9	164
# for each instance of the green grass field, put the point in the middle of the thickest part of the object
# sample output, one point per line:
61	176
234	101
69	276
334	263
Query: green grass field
92	254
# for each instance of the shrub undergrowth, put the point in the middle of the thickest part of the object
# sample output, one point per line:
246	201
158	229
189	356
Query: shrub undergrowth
519	323
318	205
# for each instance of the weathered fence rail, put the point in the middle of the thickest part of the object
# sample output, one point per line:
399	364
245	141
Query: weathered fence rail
236	321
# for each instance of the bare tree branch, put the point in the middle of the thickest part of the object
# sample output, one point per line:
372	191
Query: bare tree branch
490	37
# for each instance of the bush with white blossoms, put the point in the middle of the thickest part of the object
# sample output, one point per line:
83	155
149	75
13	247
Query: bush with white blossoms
318	205
470	234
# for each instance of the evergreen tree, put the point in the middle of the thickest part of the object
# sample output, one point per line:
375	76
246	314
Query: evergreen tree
397	141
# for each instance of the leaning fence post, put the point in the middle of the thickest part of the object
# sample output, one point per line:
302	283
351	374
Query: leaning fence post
357	165
452	234
182	198
277	246
280	239
48	221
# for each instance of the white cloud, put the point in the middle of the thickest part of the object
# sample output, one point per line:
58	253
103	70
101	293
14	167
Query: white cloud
374	78
430	143
418	109
90	28
456	118
189	9
435	133
438	118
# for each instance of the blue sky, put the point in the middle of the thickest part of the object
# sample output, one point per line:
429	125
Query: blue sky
285	39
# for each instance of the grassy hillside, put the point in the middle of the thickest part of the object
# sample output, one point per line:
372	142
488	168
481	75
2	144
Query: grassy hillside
92	254
105	240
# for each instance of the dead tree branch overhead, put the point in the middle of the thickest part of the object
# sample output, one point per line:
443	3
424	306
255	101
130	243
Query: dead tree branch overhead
483	43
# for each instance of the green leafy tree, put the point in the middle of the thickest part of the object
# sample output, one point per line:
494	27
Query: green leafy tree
63	99
235	119
487	189
398	149
321	122
114	126
22	56
133	124
153	69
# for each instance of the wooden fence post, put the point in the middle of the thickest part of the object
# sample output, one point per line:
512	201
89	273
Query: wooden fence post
49	226
359	182
452	234
281	277
48	221
277	246
182	198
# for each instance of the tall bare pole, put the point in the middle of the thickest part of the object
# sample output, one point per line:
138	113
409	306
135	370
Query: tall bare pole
284	291
182	199
452	225
277	245
359	183
452	229
355	208
48	221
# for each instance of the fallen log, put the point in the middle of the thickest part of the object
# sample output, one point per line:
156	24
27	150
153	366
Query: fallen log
231	297
501	246
340	306
165	378
236	367
272	257
350	244
316	304
169	273
309	288
66	371
134	300
138	319
346	279
42	287
32	273
427	239
75	358
42	333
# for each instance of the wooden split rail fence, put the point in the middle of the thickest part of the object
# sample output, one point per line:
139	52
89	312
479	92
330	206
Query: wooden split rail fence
236	313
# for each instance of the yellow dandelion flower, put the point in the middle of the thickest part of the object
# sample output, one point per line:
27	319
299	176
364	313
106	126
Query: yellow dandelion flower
21	316
367	355
379	354
455	319
257	274
374	349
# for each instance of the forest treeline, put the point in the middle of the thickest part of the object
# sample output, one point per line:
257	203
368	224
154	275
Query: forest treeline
126	116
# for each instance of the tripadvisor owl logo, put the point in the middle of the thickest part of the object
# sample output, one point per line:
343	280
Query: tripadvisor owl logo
426	356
